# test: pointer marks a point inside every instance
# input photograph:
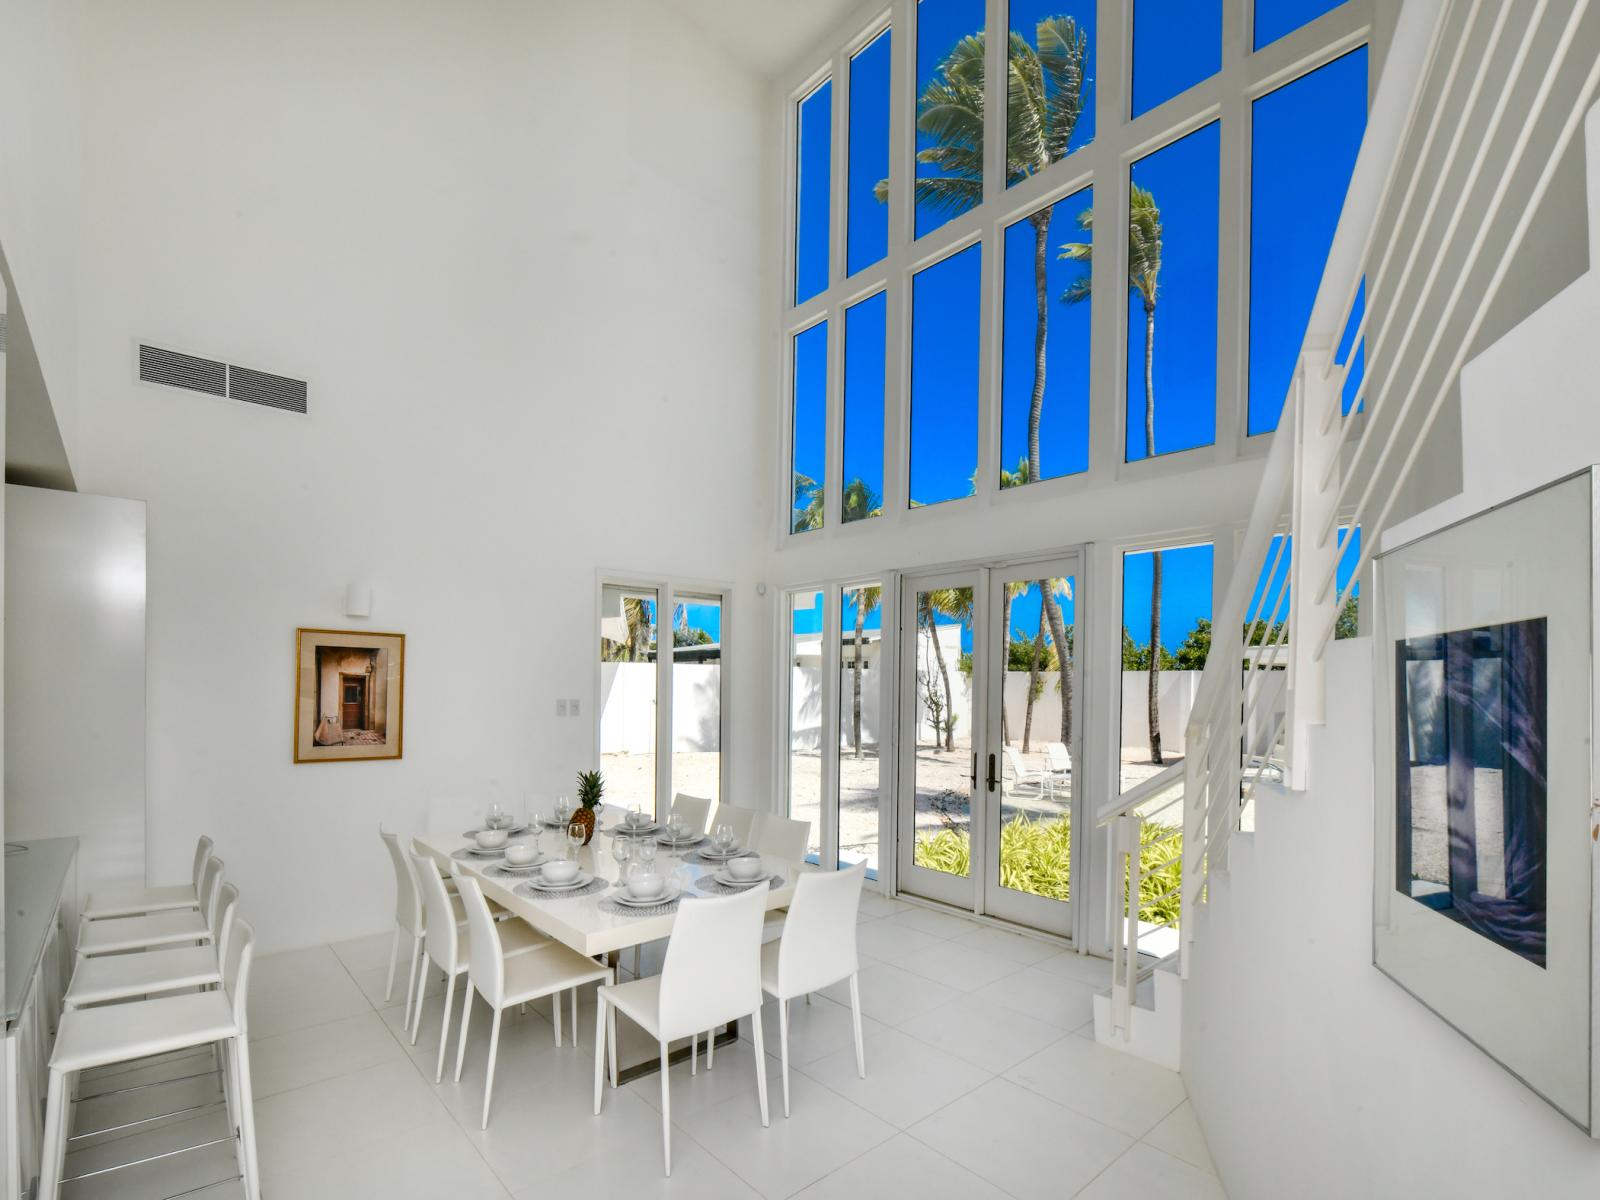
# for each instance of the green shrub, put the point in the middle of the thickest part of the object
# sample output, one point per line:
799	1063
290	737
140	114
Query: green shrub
1035	856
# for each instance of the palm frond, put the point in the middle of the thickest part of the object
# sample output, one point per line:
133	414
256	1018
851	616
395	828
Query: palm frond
1063	49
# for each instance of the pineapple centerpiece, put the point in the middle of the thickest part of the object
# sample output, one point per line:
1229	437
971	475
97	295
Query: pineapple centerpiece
591	787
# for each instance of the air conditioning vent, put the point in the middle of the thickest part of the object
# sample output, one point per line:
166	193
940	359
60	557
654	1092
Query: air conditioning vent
171	369
275	391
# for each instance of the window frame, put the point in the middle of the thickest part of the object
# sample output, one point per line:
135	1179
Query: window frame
1103	164
667	589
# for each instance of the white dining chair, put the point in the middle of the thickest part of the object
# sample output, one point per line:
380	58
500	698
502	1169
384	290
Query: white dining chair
693	809
445	945
173	927
88	1038
117	977
818	948
504	981
738	818
133	902
410	918
712	975
781	837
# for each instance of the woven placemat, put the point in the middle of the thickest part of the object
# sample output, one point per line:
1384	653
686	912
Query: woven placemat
715	887
594	885
709	860
468	856
628	910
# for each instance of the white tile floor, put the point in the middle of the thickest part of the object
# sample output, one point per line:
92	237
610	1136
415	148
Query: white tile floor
983	1080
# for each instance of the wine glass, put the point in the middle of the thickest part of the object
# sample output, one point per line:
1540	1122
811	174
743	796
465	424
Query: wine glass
723	837
496	816
635	816
621	852
563	809
575	836
645	852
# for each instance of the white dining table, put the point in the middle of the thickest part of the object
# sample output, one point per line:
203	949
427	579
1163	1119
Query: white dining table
587	923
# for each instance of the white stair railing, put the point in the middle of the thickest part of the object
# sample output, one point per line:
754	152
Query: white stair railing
1477	105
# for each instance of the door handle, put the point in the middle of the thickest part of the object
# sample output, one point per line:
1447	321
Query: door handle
991	773
974	771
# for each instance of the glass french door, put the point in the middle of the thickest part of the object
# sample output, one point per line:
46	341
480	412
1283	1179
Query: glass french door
990	739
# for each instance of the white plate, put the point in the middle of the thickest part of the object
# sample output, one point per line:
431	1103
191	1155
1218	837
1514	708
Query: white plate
497	852
713	853
668	894
634	830
721	876
667	840
523	868
583	879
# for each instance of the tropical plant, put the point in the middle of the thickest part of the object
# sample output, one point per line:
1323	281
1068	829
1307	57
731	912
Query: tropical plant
591	787
1144	273
955	603
1034	661
806	512
638	639
867	601
860	501
1195	648
1348	623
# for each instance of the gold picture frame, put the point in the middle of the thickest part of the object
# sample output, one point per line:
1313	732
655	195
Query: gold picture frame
349	695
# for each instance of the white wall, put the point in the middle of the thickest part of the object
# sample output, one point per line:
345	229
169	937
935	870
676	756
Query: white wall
1314	1075
75	678
510	245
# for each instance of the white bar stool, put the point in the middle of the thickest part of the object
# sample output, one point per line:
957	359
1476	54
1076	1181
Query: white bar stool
119	1033
136	901
116	977
171	928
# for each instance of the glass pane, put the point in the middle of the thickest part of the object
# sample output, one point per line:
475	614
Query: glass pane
1176	44
1304	139
697	696
1172	297
810	429
1036	717
950	37
860	711
628	695
805	714
813	183
944	730
1166	602
1050	86
945	307
1275	18
867	223
1044	423
865	336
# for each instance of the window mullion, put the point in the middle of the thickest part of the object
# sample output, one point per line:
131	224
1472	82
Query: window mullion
1233	237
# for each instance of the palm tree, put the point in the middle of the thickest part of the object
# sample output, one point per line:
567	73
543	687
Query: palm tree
810	491
1052	588
955	603
860	501
867	601
1144	270
1035	661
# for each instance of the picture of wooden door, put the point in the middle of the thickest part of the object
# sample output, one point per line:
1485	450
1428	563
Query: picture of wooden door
353	706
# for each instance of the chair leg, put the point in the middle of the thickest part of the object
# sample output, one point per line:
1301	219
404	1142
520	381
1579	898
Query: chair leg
422	996
54	1150
611	1038
574	1015
444	1030
394	959
599	1050
783	1049
711	1049
666	1112
466	1019
761	1064
855	1018
694	1054
247	1121
494	1052
555	1009
411	977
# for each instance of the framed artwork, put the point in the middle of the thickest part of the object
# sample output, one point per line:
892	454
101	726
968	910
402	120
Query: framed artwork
349	695
1484	879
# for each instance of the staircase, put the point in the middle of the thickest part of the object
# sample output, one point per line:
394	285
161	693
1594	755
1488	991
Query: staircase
1474	114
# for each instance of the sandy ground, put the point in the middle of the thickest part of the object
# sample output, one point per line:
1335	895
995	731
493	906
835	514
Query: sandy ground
1430	835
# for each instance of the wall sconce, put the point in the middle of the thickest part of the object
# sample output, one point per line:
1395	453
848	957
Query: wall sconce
358	600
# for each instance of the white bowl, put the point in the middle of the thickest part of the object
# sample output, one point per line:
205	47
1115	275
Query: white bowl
490	839
745	868
646	885
559	870
521	854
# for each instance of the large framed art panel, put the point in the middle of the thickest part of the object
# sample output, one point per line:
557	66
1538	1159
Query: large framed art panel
1483	884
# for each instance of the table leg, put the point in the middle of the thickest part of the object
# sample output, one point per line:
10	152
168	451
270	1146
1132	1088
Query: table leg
652	1065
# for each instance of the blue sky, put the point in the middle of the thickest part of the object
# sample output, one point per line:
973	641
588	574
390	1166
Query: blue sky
1185	592
1305	137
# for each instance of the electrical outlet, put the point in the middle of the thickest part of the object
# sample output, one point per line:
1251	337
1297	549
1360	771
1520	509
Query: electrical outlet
561	708
574	707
